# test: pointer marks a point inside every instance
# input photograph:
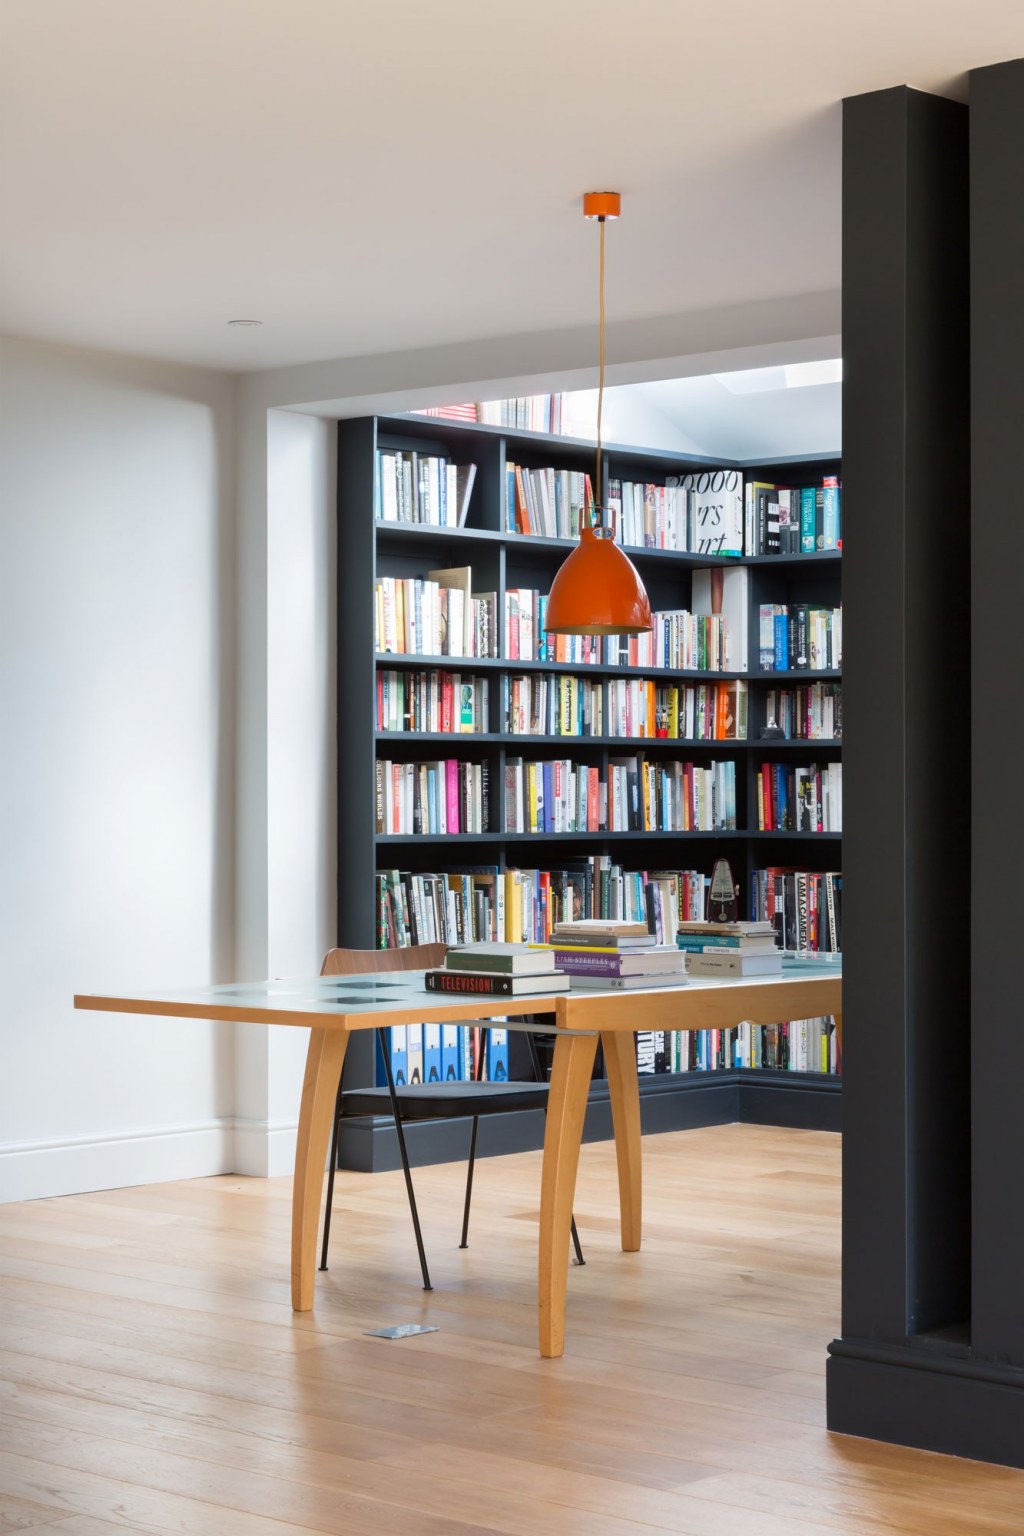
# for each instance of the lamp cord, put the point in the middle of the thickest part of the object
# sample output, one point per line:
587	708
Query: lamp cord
600	369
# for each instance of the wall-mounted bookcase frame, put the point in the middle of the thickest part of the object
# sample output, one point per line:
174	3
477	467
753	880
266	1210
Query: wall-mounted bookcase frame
502	559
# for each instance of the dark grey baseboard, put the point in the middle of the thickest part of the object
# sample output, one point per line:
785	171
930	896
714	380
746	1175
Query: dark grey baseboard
954	1403
678	1103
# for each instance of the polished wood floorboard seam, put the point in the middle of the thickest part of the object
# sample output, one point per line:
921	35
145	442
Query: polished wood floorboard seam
154	1379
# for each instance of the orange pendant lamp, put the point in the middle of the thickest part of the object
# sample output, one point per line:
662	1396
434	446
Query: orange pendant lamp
598	590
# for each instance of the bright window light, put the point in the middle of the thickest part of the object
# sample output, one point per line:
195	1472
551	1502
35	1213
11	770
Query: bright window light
757	381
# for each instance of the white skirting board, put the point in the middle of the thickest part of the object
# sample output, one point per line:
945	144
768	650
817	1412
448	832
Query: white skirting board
39	1170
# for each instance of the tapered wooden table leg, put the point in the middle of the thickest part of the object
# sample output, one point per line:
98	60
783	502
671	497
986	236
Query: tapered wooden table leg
620	1064
319	1093
567	1105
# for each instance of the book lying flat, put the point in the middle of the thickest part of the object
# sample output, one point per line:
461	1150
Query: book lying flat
589	927
491	984
589	962
734	964
760	927
625	983
503	959
571	936
747	944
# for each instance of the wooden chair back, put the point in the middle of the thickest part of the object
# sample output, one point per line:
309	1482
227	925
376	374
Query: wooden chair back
349	962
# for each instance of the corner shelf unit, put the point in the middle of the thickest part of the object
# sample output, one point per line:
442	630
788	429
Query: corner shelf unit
500	560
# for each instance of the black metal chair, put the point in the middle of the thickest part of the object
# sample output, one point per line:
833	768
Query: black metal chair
424	1101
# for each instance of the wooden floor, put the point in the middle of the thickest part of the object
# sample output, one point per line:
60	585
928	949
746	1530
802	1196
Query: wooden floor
154	1378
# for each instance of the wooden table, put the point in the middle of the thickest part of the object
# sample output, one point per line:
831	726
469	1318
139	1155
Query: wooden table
332	1007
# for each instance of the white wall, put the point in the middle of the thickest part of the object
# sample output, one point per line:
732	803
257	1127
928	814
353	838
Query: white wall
117	684
287	829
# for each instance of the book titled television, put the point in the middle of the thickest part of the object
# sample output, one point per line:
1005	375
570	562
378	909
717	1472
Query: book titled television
489	984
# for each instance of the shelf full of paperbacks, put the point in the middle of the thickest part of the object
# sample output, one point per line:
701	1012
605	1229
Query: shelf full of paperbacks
438	702
431	616
447	797
490	904
706	511
485	903
440	615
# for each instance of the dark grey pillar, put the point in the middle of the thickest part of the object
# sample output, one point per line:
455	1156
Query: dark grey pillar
906	456
997	643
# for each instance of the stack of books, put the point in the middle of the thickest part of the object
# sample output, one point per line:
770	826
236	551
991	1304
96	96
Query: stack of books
614	956
497	970
730	949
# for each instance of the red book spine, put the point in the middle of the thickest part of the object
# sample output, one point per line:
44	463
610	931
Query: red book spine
766	797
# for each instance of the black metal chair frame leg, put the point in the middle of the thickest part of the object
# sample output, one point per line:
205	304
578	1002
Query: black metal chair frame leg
385	1045
469	1182
330	1180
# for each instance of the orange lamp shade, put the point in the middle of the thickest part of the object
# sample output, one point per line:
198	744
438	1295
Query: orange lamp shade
597	591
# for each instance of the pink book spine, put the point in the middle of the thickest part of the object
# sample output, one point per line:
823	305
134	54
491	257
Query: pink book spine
452	787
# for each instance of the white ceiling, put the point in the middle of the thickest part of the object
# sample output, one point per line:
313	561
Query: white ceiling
375	178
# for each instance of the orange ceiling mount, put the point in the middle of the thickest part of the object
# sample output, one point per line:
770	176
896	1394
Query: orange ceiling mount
602	205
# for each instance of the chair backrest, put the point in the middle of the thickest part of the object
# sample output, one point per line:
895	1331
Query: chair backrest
349	962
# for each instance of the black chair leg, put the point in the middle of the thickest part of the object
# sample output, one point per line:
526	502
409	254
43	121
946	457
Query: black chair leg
539	1077
469	1183
385	1046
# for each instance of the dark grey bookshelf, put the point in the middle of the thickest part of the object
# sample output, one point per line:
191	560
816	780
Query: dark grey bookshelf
368	549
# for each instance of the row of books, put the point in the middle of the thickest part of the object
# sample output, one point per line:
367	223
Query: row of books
800	799
546	503
805	907
798	1045
432	700
809	712
797	637
445	1053
792	520
632	708
441	798
428	488
698	513
683	712
488	903
535	704
439	616
636	796
526	413
678	639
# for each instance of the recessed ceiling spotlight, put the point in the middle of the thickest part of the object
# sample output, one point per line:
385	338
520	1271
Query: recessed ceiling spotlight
245	322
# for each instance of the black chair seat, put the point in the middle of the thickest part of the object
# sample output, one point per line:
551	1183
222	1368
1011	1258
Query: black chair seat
446	1101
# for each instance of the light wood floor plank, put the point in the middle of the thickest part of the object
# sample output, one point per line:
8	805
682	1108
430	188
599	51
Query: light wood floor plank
153	1378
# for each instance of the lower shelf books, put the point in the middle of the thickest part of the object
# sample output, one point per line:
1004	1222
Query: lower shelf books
798	1045
444	1053
431	700
639	795
799	799
444	797
485	902
807	713
806	907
